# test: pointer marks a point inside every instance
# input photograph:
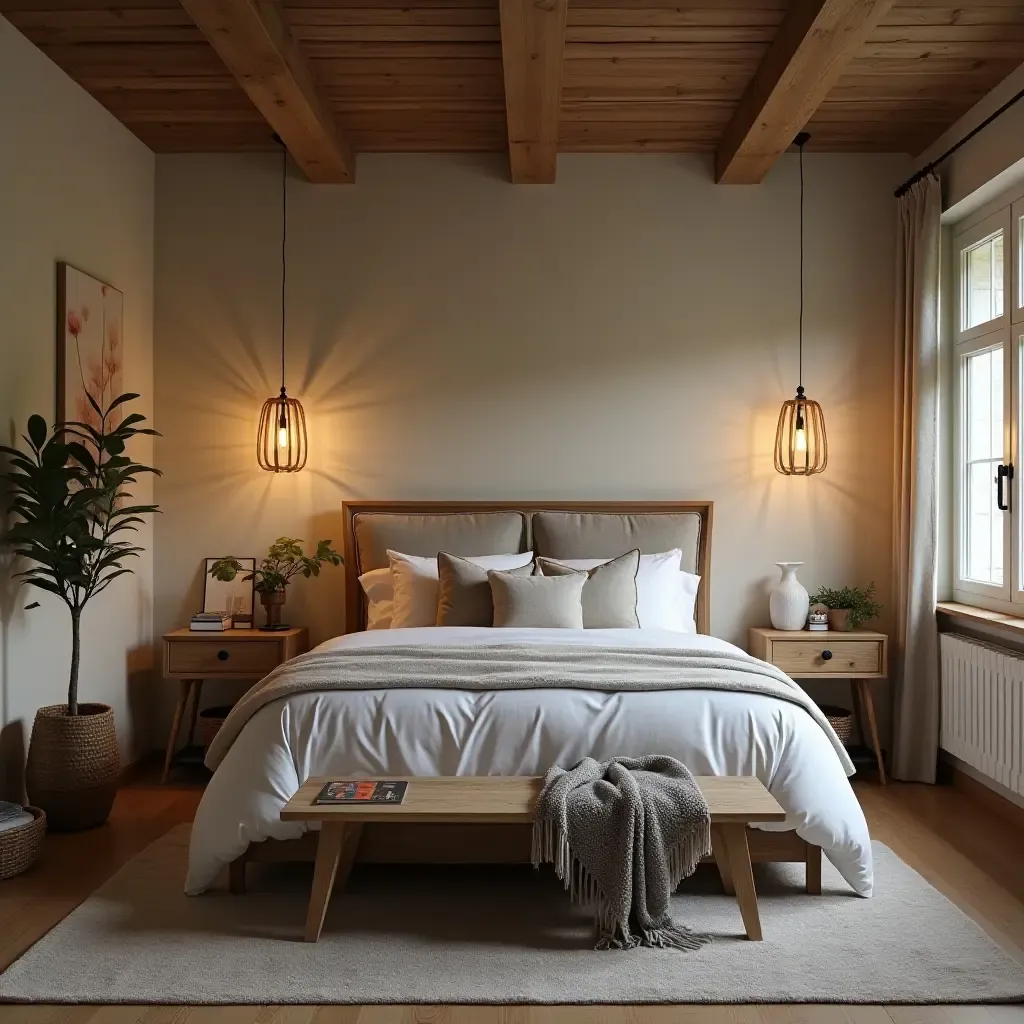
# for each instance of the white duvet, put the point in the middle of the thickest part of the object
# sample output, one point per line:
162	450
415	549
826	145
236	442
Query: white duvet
360	733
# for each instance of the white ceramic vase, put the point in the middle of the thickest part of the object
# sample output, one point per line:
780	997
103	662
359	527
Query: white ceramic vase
789	601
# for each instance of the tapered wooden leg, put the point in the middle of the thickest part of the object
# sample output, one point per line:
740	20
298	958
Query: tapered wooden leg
236	876
185	688
334	856
868	702
738	853
813	869
196	697
722	859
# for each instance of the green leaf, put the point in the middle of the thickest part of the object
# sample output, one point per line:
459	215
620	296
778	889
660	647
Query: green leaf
121	399
37	431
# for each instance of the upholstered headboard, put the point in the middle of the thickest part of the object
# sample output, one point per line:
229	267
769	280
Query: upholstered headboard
558	529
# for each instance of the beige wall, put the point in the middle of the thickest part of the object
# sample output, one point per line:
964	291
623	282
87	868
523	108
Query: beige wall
75	185
627	333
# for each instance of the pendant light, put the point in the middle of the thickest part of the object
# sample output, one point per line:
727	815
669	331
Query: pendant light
801	448
281	441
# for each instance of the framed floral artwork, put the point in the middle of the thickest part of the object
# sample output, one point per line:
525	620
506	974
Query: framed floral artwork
90	345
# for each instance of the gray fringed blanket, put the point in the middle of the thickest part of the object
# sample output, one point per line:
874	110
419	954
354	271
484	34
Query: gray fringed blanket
622	835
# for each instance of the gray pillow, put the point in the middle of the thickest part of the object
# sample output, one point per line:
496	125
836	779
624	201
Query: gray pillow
464	594
555	602
609	595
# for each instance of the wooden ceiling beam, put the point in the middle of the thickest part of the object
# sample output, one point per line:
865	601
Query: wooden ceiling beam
813	45
254	42
532	51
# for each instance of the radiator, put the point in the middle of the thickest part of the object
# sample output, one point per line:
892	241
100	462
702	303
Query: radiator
983	708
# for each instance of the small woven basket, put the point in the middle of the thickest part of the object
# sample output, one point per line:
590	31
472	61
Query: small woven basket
210	721
19	847
841	721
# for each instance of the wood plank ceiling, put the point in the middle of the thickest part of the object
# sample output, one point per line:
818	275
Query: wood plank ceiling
427	75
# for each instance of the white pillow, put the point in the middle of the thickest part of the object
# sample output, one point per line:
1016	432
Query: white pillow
415	583
666	596
380	592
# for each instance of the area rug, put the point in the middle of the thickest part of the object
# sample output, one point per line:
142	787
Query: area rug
502	935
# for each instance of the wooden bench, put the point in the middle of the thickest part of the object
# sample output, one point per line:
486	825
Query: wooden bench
734	802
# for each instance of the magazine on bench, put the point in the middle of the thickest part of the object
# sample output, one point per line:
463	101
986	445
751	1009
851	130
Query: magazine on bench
363	791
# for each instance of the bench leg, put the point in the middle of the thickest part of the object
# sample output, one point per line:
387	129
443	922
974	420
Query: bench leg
738	853
722	859
334	856
813	869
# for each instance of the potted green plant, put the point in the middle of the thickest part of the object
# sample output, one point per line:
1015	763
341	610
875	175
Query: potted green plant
71	510
848	607
284	560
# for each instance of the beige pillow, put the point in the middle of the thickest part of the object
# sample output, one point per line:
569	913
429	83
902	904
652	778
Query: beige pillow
553	602
464	592
609	595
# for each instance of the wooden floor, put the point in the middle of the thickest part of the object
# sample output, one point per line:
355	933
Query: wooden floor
974	856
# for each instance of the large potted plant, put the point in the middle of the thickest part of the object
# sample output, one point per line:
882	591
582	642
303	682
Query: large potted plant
71	511
284	560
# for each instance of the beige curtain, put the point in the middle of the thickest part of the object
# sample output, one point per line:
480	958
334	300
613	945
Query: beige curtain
915	664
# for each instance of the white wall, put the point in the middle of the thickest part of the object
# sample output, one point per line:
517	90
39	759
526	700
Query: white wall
627	333
75	185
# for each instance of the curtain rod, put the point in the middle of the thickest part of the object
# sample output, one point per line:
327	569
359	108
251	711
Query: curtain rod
929	167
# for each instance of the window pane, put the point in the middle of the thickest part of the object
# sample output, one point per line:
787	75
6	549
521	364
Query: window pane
984	410
983	281
984	525
983	447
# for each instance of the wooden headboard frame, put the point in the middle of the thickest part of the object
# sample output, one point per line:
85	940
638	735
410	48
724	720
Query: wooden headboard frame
355	613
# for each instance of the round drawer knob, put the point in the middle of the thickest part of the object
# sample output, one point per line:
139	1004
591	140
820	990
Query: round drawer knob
826	655
223	655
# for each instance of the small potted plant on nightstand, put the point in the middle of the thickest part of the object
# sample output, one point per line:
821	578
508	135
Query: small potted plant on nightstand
849	607
284	560
71	508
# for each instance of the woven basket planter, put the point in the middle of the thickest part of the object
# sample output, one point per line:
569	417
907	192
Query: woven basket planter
210	721
841	721
73	765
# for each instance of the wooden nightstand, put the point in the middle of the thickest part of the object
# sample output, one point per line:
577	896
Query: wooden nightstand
191	657
859	656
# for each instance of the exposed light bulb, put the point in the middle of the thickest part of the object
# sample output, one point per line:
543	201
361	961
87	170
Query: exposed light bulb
800	441
282	437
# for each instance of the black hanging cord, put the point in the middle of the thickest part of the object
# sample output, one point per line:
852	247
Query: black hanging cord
284	249
801	141
929	168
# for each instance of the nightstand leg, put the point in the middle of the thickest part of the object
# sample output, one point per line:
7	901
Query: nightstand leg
864	690
195	712
185	688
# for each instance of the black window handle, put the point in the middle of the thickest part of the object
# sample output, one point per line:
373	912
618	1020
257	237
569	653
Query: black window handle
1003	472
223	655
826	655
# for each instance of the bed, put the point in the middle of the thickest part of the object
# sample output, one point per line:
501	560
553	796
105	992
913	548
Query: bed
406	730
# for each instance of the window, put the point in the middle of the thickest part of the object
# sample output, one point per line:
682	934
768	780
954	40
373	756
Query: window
989	407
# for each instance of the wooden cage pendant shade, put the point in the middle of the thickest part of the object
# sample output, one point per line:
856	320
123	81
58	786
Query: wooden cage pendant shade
801	447
281	442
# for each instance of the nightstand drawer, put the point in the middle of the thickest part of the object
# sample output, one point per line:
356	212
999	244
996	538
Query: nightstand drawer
801	657
234	657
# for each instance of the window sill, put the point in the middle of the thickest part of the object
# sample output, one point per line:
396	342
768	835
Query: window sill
1000	621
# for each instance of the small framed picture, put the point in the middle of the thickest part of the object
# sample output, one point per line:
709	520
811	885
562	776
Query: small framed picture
236	598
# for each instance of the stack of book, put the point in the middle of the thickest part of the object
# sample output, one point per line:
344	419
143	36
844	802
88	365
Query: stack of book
210	621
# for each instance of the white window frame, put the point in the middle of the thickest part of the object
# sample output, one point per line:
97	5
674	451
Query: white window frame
1017	299
1000	331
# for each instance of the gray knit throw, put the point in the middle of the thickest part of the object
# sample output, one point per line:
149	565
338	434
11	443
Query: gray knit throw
622	835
